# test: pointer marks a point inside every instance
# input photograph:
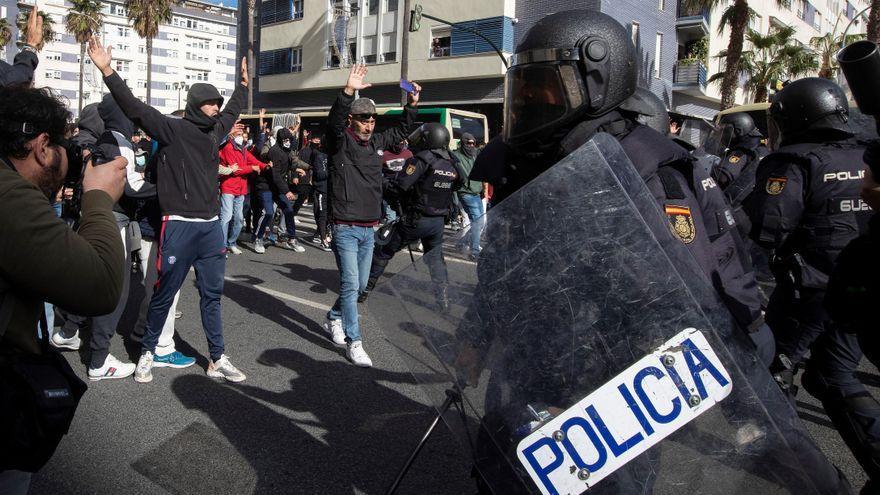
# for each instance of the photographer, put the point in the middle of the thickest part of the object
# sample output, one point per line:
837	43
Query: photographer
41	259
22	70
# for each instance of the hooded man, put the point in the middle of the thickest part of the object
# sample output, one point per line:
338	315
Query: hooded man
191	233
273	188
472	192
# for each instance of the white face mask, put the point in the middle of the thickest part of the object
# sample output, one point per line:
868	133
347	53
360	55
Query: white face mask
238	140
285	143
140	161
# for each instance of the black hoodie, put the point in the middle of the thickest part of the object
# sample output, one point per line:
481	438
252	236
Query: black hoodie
186	169
274	178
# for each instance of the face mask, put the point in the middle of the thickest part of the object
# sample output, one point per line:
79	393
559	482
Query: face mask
238	140
140	161
250	142
285	143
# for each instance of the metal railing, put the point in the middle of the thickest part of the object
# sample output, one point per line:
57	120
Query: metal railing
690	72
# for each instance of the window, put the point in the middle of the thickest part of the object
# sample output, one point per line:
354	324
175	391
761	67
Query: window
441	42
392	6
53	74
171	70
272	11
220	61
52	56
142	49
197	75
122	65
282	61
634	32
658	50
368	52
58	37
122	47
373	6
389	44
117	9
142	67
195	57
141	84
174	38
198	43
123	32
173	54
221	46
333	59
168	87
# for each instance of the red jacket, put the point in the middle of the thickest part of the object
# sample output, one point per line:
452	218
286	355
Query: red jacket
237	183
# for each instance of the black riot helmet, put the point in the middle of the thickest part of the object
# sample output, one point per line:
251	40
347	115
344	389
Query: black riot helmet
650	109
811	108
741	124
430	136
570	65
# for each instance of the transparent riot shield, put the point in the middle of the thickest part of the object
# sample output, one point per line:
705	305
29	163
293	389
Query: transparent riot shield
590	352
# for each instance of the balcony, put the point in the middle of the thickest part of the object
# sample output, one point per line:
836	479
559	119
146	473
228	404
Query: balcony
692	24
690	77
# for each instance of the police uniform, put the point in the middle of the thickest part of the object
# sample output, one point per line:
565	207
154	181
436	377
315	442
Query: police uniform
425	187
806	208
735	175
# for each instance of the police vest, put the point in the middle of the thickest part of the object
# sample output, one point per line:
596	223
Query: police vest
834	214
738	191
435	187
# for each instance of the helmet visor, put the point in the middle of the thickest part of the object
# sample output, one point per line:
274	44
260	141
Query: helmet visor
538	96
719	139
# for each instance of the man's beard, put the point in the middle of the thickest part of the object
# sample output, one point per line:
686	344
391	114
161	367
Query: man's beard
364	136
51	179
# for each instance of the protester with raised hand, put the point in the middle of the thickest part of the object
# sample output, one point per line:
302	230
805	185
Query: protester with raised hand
191	233
22	69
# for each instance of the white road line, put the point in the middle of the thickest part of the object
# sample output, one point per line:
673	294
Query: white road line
281	295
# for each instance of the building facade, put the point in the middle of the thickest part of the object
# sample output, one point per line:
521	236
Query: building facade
198	45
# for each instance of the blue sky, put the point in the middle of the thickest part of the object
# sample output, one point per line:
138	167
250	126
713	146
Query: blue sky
228	3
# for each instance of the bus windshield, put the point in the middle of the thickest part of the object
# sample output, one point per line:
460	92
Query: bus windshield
472	125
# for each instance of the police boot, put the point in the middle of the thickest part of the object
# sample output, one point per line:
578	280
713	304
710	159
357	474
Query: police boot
783	372
443	297
371	284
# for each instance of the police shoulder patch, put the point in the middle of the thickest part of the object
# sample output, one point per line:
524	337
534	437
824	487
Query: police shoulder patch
410	169
682	223
775	185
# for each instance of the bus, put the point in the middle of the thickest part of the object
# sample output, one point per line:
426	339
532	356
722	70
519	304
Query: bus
456	121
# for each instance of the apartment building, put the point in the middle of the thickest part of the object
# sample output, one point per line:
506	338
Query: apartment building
198	45
693	96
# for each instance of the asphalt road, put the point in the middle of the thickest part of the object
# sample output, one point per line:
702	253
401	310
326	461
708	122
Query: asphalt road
305	421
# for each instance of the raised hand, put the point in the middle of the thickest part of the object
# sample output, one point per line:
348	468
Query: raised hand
244	72
35	29
414	96
100	56
356	79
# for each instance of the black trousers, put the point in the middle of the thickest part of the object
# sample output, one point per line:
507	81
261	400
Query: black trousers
429	230
319	207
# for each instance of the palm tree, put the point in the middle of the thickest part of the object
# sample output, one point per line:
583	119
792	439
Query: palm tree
736	16
874	22
773	56
826	48
145	16
48	29
83	19
5	32
250	55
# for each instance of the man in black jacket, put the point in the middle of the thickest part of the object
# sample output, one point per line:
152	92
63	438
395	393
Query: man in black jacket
273	189
317	160
186	178
355	195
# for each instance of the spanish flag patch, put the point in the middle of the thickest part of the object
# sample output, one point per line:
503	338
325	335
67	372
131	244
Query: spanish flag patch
682	223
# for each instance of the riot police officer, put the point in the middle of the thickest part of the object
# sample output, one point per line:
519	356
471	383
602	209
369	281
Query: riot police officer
573	76
735	173
424	188
806	208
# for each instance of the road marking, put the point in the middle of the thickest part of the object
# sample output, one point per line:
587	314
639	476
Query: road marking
280	295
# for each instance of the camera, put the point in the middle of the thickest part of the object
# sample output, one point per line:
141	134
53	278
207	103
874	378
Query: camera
78	156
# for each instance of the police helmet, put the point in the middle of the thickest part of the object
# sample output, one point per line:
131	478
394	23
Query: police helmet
650	109
741	124
430	136
811	106
569	65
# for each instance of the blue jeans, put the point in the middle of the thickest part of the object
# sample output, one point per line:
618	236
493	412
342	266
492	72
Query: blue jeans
473	206
269	200
231	209
353	248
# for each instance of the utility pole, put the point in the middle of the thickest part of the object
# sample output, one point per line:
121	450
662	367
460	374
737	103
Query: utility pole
404	49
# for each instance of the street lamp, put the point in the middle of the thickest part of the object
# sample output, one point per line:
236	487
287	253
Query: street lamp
180	86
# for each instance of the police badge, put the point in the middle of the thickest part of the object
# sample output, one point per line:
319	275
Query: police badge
734	159
681	223
410	169
775	185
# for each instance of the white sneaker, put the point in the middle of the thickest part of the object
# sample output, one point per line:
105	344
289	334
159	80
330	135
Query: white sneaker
337	335
235	250
71	344
223	368
358	355
144	371
113	368
294	245
259	248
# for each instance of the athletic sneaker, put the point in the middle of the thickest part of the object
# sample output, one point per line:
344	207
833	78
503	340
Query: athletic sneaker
235	250
325	246
358	355
316	240
294	245
112	369
258	247
71	344
144	371
173	360
223	368
337	335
